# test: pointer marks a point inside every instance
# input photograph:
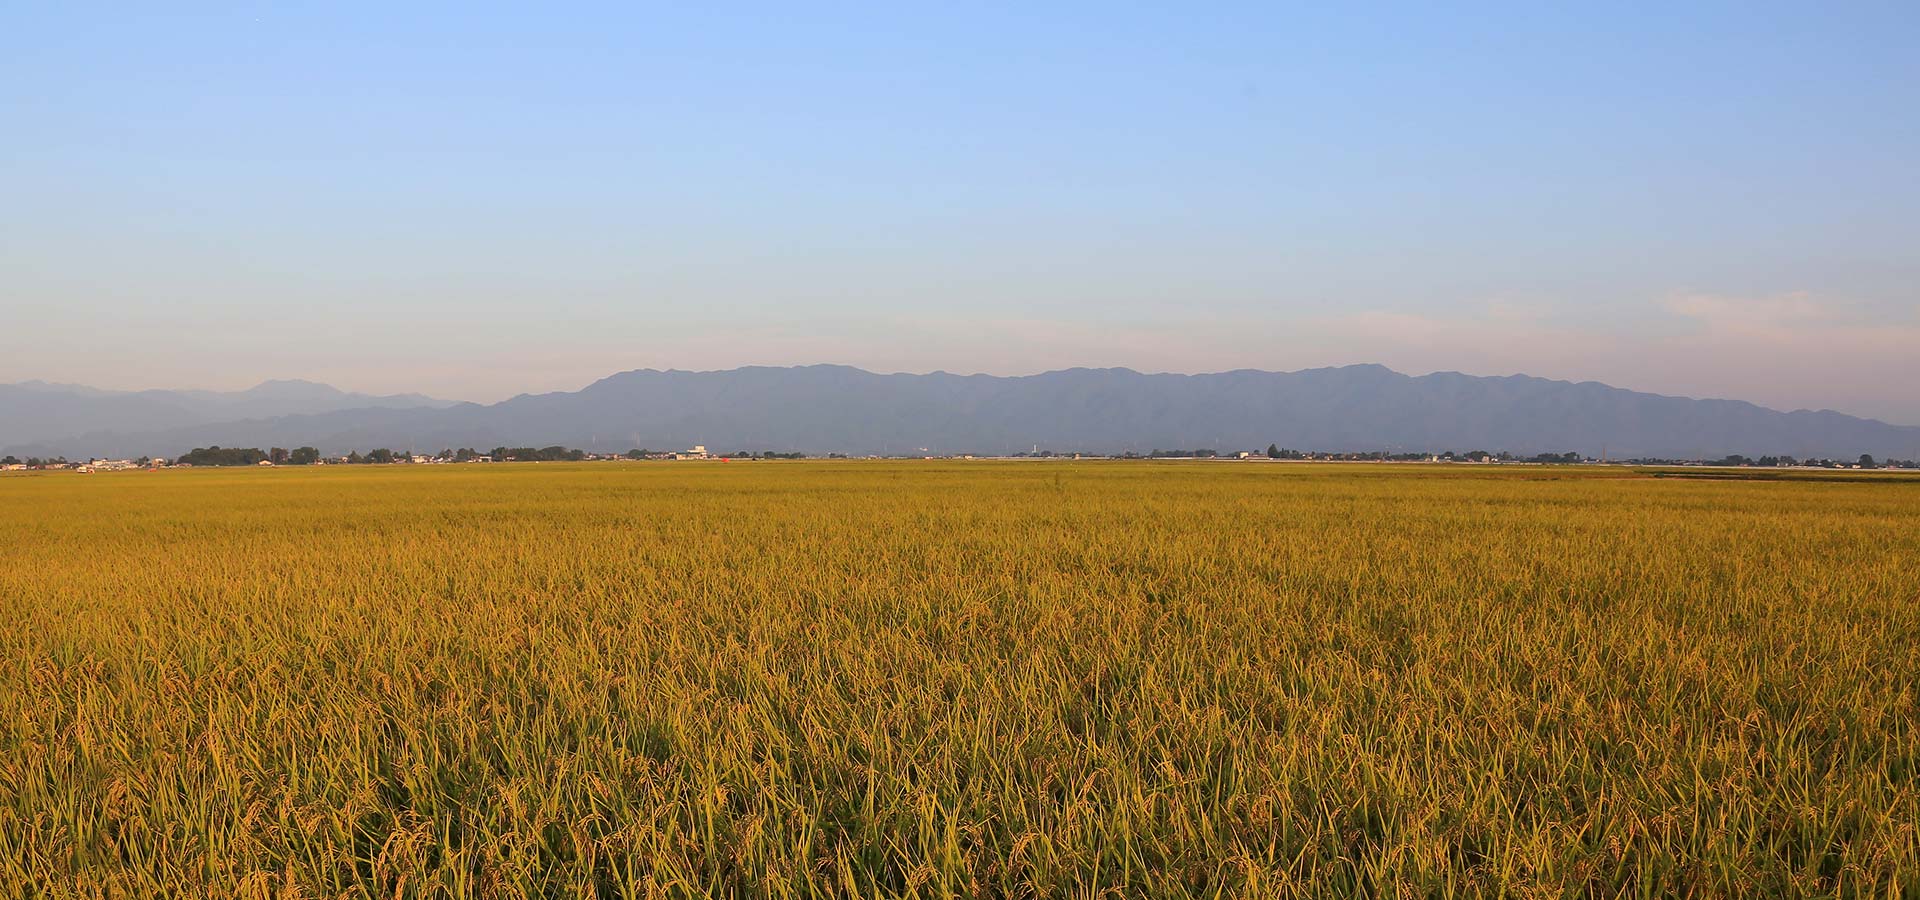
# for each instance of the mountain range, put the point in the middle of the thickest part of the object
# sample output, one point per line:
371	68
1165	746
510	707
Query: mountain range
34	413
837	408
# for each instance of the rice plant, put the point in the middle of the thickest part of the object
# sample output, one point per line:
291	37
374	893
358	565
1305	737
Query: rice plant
923	679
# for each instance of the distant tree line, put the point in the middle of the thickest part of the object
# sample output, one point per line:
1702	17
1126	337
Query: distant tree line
306	456
1863	461
33	462
222	456
554	453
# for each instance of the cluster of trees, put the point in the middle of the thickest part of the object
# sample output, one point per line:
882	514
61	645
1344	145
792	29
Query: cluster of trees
644	453
306	456
378	455
279	456
298	456
1865	461
464	454
555	453
222	456
1769	461
33	461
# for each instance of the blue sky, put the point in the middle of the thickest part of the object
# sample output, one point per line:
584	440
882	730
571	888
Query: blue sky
473	202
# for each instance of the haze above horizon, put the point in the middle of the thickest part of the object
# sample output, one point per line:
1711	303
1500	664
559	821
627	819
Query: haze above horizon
1711	202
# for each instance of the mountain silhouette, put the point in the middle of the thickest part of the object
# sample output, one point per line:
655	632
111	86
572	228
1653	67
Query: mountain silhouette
826	408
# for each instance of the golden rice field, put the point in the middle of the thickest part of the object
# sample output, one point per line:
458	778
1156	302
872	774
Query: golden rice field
908	679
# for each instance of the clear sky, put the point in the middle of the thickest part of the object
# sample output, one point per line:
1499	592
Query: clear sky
473	202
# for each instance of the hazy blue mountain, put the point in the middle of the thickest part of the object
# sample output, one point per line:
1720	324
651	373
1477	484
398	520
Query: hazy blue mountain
827	408
39	412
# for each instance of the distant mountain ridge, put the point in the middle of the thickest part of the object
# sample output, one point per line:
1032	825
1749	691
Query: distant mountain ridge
826	408
37	412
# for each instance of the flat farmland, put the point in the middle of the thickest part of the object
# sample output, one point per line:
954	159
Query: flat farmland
931	679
